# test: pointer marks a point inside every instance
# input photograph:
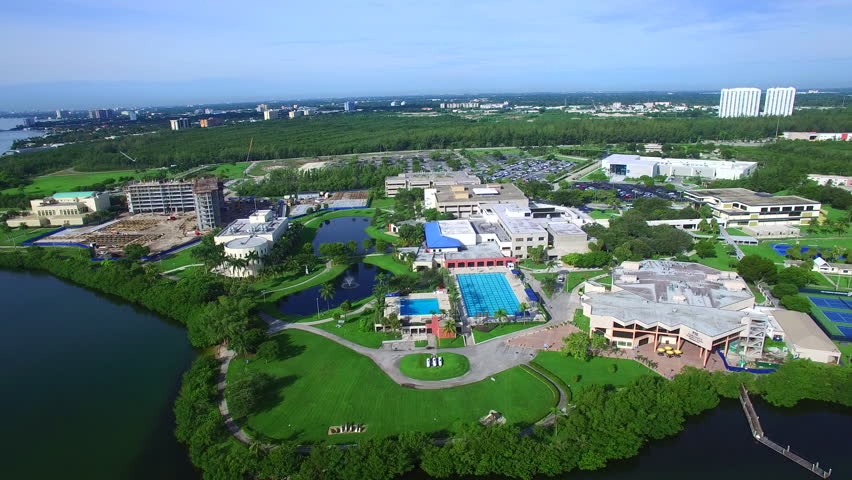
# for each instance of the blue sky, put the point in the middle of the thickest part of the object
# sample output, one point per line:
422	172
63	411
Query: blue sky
83	53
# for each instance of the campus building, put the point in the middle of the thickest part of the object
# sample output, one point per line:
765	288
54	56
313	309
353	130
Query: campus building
738	207
465	200
818	137
804	339
522	231
659	303
426	180
248	240
204	195
835	180
739	102
62	208
636	166
779	101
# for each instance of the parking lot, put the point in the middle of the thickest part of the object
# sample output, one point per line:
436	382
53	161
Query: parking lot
630	191
519	169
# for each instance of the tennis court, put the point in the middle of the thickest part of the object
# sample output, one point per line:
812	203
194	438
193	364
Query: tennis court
485	293
846	331
831	303
838	317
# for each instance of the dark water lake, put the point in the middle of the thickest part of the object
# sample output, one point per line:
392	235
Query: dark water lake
342	229
354	284
88	385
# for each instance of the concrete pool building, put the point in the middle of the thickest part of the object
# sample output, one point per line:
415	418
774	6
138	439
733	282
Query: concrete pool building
654	303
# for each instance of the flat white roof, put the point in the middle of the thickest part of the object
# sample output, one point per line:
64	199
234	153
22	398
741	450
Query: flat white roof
245	243
456	227
485	191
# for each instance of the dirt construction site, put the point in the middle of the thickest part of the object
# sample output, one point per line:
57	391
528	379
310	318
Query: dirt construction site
157	232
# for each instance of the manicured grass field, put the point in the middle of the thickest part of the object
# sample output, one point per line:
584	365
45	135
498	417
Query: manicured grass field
576	278
605	214
764	250
389	263
292	282
414	366
18	235
350	330
179	259
843	282
50	184
319	384
607	280
845	351
380	234
227	170
457	342
720	261
382	202
503	329
595	371
736	231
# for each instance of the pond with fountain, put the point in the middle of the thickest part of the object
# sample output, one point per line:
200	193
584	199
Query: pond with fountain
354	284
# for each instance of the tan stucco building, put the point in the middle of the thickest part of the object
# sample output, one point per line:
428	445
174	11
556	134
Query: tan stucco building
804	338
62	208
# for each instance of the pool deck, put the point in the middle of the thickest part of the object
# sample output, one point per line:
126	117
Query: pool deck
392	306
514	282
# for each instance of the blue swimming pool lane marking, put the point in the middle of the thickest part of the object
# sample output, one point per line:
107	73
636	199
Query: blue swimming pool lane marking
486	293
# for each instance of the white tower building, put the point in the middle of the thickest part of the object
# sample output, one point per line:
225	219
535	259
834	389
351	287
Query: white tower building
779	101
739	102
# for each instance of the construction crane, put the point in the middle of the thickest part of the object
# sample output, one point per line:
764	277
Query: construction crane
248	155
127	156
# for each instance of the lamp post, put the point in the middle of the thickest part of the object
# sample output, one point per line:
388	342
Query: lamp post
317	308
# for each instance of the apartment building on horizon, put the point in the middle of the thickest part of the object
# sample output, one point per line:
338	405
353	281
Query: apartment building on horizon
779	101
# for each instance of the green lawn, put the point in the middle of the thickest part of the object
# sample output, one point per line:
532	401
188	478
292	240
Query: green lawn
581	321
737	232
457	342
292	282
390	263
532	265
605	214
350	330
595	175
595	371
843	282
379	234
179	259
607	280
719	261
18	235
315	219
576	278
227	170
764	250
503	329
50	184
320	384
414	366
758	297
845	351
382	202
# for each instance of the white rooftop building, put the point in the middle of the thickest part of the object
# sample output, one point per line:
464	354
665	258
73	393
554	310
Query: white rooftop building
635	166
249	240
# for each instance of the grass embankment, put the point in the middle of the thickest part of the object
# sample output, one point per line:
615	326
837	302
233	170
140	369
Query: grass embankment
503	329
736	232
390	263
19	235
457	342
382	203
319	384
176	260
293	281
414	366
576	278
229	171
594	372
350	330
604	214
69	182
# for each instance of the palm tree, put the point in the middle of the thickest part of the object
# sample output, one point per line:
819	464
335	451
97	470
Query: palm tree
327	292
556	412
345	307
449	327
523	308
256	448
501	315
551	263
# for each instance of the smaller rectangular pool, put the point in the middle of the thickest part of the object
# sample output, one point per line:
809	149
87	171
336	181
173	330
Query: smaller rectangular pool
418	306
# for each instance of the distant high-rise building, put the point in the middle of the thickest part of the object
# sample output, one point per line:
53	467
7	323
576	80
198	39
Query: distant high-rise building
132	115
179	124
296	113
262	107
739	102
62	114
209	122
29	121
348	106
101	114
779	101
272	114
208	111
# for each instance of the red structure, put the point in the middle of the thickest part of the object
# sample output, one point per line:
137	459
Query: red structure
479	262
435	327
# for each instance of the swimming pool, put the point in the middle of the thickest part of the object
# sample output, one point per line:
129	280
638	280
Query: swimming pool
485	293
418	306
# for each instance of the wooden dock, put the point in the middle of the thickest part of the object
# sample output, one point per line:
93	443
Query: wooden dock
757	432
